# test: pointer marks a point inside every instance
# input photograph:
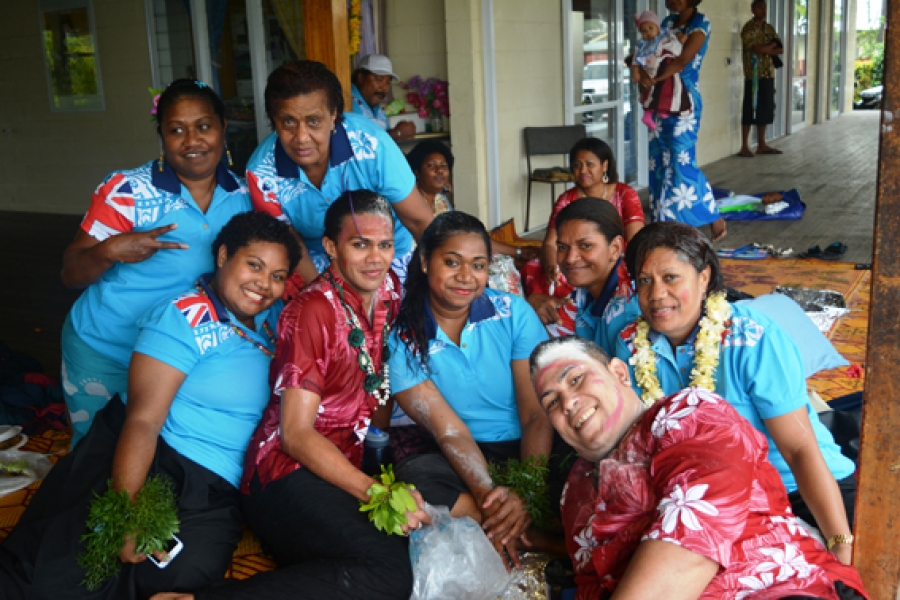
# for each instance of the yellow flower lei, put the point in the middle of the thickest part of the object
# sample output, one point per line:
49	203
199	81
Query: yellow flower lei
707	347
354	20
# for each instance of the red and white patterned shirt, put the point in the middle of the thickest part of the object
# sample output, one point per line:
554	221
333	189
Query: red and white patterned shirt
624	198
693	473
314	354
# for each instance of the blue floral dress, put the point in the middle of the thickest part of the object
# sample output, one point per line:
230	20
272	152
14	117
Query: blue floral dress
678	188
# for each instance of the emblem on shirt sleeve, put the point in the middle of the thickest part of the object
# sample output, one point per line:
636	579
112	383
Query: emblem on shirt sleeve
197	310
744	332
363	144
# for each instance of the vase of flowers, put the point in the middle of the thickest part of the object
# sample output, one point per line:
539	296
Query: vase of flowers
430	99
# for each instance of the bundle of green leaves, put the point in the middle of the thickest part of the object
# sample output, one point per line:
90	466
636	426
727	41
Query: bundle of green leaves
152	520
388	502
528	479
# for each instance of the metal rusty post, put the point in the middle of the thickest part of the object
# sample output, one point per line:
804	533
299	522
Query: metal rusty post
877	552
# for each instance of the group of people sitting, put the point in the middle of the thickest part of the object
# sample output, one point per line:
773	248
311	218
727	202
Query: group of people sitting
688	414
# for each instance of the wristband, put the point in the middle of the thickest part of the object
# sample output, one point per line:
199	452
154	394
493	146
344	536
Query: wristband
839	539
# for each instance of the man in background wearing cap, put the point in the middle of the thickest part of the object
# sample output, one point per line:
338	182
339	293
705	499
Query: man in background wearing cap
371	84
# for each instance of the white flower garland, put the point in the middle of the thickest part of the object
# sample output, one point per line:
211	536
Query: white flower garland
707	348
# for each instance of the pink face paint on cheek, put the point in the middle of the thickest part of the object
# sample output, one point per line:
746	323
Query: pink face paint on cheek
613	419
539	380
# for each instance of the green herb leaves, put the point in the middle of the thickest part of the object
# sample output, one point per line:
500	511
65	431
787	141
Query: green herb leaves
152	519
388	503
528	479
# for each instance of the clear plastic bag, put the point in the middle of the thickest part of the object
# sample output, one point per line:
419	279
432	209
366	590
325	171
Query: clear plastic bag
36	468
453	558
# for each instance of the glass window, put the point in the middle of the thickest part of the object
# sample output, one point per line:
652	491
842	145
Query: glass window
837	60
70	54
800	28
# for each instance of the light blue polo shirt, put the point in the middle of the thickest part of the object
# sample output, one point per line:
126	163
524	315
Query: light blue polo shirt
362	156
361	107
476	377
105	315
760	373
221	401
601	319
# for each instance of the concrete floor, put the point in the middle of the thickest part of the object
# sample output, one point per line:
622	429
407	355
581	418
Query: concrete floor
833	165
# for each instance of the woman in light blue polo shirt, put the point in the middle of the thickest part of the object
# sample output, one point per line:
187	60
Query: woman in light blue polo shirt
317	152
459	369
146	236
688	335
198	385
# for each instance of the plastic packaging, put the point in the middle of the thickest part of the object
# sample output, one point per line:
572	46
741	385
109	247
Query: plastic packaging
824	307
36	468
503	275
377	451
453	558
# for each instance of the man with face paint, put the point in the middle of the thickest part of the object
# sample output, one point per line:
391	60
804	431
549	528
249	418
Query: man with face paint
371	85
676	500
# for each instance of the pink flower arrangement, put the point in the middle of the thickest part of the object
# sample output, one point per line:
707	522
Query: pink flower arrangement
429	96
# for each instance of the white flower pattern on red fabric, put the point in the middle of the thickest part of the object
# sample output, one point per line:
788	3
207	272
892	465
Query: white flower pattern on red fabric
586	544
668	419
789	561
754	584
681	505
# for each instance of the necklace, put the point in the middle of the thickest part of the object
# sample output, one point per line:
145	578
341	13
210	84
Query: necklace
379	385
707	348
269	334
240	332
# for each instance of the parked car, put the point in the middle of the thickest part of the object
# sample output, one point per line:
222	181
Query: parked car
870	98
595	82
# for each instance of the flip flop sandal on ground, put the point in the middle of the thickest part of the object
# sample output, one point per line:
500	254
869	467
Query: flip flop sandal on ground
834	251
770	151
814	252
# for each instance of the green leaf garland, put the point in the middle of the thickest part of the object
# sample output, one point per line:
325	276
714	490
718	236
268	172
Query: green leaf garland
152	519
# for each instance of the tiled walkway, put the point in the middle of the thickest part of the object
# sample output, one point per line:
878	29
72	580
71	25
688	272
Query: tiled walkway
833	165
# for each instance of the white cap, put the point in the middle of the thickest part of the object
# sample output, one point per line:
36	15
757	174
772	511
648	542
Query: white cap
378	64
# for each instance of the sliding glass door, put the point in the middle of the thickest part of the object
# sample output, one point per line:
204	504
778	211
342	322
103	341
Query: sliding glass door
599	93
797	62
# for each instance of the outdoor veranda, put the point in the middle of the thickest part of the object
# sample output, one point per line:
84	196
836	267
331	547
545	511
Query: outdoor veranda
833	165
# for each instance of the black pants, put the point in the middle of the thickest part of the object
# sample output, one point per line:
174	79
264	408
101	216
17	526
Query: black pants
38	559
847	485
324	547
765	103
439	484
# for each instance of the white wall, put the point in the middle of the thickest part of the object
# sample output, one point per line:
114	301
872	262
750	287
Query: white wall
529	65
51	162
722	84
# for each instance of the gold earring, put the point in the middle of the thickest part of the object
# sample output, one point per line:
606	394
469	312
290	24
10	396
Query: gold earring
162	160
228	153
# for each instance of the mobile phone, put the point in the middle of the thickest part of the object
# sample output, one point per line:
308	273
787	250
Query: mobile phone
173	547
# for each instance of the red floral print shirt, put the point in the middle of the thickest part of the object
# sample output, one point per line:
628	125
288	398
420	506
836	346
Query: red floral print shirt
694	473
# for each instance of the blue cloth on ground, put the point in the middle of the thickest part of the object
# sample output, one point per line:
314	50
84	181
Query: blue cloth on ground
794	211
